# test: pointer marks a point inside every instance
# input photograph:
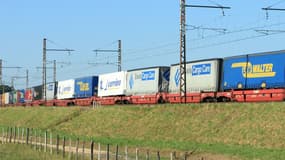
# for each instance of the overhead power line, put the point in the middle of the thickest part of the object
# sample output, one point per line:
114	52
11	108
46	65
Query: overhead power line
267	32
279	2
221	30
119	51
235	40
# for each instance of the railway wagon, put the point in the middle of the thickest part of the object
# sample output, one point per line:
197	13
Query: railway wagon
65	93
112	88
37	92
51	90
37	95
254	71
28	96
14	97
255	77
148	85
112	84
65	89
202	79
21	96
17	97
6	98
85	89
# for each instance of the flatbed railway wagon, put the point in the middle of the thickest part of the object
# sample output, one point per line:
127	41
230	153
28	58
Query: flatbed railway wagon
112	89
148	85
65	93
37	94
18	98
86	89
255	77
202	78
51	89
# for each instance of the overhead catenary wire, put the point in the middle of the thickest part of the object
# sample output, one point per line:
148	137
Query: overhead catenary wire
136	51
209	45
238	31
233	41
203	46
277	3
212	36
226	33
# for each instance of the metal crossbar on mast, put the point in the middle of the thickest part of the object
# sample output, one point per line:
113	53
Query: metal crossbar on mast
119	51
1	70
21	77
271	9
183	5
213	7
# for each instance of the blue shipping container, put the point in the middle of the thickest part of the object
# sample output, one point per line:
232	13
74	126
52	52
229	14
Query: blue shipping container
254	71
86	87
21	96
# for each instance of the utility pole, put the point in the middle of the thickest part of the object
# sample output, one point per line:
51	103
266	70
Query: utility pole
183	6
44	65
54	71
119	51
183	91
119	56
44	69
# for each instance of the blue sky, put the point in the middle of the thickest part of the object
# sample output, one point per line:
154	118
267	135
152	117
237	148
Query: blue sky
149	31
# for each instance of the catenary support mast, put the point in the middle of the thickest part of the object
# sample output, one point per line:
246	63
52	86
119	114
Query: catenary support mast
183	6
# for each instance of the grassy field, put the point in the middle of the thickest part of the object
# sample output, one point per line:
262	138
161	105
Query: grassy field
24	152
247	131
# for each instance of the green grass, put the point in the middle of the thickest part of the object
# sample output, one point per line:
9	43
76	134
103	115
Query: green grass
24	152
249	131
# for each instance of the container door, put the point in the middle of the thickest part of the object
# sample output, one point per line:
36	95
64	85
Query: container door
234	73
266	71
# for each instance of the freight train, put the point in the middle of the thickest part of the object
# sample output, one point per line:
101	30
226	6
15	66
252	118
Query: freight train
246	78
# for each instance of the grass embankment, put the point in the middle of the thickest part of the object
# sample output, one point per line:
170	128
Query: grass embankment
245	130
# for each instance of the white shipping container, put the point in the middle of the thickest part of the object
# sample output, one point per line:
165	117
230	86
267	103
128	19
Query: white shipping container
147	81
112	84
6	98
200	76
51	88
65	89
